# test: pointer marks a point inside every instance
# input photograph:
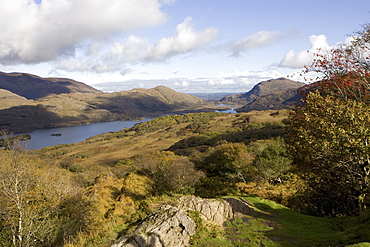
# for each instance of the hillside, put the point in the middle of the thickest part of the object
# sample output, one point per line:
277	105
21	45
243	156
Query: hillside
30	102
57	110
131	175
35	87
264	88
173	133
274	101
9	99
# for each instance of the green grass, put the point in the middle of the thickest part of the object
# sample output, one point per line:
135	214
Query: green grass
275	225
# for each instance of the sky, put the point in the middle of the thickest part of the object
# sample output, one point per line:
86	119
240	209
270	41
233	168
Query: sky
191	46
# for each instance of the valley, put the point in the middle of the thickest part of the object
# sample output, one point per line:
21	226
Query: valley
166	154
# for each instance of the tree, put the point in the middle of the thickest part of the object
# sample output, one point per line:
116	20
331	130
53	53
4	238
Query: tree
329	138
35	202
224	166
228	160
169	173
270	160
329	130
344	70
173	174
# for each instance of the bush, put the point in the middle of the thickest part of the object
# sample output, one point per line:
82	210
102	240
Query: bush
170	173
209	187
271	160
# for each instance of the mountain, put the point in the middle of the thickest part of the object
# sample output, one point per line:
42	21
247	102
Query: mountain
274	101
53	102
35	87
264	88
146	102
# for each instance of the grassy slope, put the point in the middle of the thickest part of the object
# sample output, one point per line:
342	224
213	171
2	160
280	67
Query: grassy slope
9	99
276	225
109	148
271	225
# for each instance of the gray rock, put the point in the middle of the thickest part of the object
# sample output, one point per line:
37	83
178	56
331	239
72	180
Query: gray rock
217	211
172	227
169	226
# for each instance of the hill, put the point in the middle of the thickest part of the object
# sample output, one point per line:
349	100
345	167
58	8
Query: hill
71	109
122	170
164	133
35	87
274	101
29	102
273	86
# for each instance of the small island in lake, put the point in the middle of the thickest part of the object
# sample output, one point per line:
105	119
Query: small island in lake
57	134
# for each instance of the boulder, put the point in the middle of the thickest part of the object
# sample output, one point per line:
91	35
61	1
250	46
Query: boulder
171	227
216	211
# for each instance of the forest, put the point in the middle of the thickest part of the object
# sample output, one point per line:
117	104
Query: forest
310	161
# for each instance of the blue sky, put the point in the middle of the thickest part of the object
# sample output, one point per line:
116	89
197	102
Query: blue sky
187	45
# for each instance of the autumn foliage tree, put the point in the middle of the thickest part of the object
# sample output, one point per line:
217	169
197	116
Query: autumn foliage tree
329	139
39	204
344	71
329	130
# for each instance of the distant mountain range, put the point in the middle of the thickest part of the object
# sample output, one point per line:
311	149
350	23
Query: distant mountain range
29	102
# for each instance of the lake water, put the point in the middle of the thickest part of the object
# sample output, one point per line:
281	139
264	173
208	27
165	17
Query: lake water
44	138
232	110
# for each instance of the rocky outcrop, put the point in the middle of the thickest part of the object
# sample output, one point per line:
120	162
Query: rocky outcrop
171	227
216	211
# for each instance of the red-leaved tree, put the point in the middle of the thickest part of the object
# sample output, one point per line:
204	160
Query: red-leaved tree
329	130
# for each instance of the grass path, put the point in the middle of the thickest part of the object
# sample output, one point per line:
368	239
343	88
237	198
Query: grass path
276	225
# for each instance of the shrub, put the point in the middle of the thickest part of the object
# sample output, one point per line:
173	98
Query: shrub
270	160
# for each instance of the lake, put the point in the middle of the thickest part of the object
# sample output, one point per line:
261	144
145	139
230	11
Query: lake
66	135
232	110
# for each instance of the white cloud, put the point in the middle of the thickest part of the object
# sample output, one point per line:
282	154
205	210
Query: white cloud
242	79
232	82
305	58
130	50
135	49
258	39
89	64
184	40
32	33
183	83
